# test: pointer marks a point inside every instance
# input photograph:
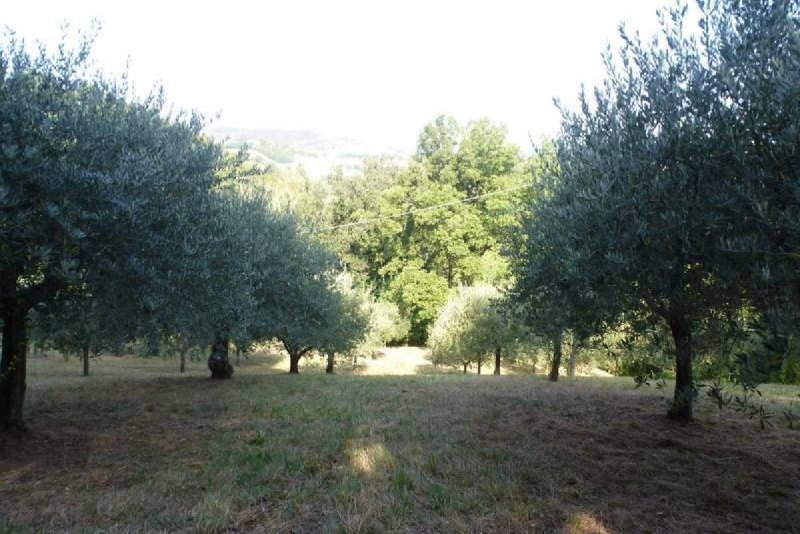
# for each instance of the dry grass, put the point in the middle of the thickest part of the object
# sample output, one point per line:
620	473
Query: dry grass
138	447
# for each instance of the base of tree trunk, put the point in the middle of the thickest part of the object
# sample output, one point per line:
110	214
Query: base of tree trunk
218	362
13	369
681	407
680	413
219	367
14	427
294	365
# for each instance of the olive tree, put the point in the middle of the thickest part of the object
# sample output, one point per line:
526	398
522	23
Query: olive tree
94	185
299	303
351	322
755	57
77	320
212	297
648	215
476	324
550	299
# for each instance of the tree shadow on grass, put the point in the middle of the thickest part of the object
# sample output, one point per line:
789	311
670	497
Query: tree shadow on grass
82	442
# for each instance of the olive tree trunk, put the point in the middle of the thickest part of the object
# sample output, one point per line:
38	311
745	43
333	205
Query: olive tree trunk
294	363
85	350
557	341
329	366
218	362
12	366
295	353
465	368
683	398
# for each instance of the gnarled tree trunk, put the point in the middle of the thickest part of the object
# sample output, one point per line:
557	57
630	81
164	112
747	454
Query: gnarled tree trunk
497	353
557	339
329	366
479	366
683	398
218	362
465	368
294	363
295	353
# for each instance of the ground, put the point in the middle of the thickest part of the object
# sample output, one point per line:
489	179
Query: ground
139	447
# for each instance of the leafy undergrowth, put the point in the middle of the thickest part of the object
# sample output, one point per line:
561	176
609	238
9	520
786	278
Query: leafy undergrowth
138	447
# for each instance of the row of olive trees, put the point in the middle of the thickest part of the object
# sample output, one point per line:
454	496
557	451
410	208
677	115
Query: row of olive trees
119	218
673	192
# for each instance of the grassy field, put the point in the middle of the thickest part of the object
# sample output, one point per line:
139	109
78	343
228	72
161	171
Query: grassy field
138	447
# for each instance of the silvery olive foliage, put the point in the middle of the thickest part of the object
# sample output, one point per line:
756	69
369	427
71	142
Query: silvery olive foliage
676	192
97	188
120	217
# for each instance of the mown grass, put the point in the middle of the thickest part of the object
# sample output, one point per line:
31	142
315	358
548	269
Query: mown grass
138	447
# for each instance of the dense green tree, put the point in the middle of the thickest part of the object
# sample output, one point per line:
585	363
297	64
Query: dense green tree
420	294
387	325
363	248
392	224
351	331
552	300
753	50
377	322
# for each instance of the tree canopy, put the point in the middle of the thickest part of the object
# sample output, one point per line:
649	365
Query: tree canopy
95	186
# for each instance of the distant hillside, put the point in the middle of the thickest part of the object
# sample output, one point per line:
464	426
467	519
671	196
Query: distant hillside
316	153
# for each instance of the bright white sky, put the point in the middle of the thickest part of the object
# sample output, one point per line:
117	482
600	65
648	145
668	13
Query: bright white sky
374	70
